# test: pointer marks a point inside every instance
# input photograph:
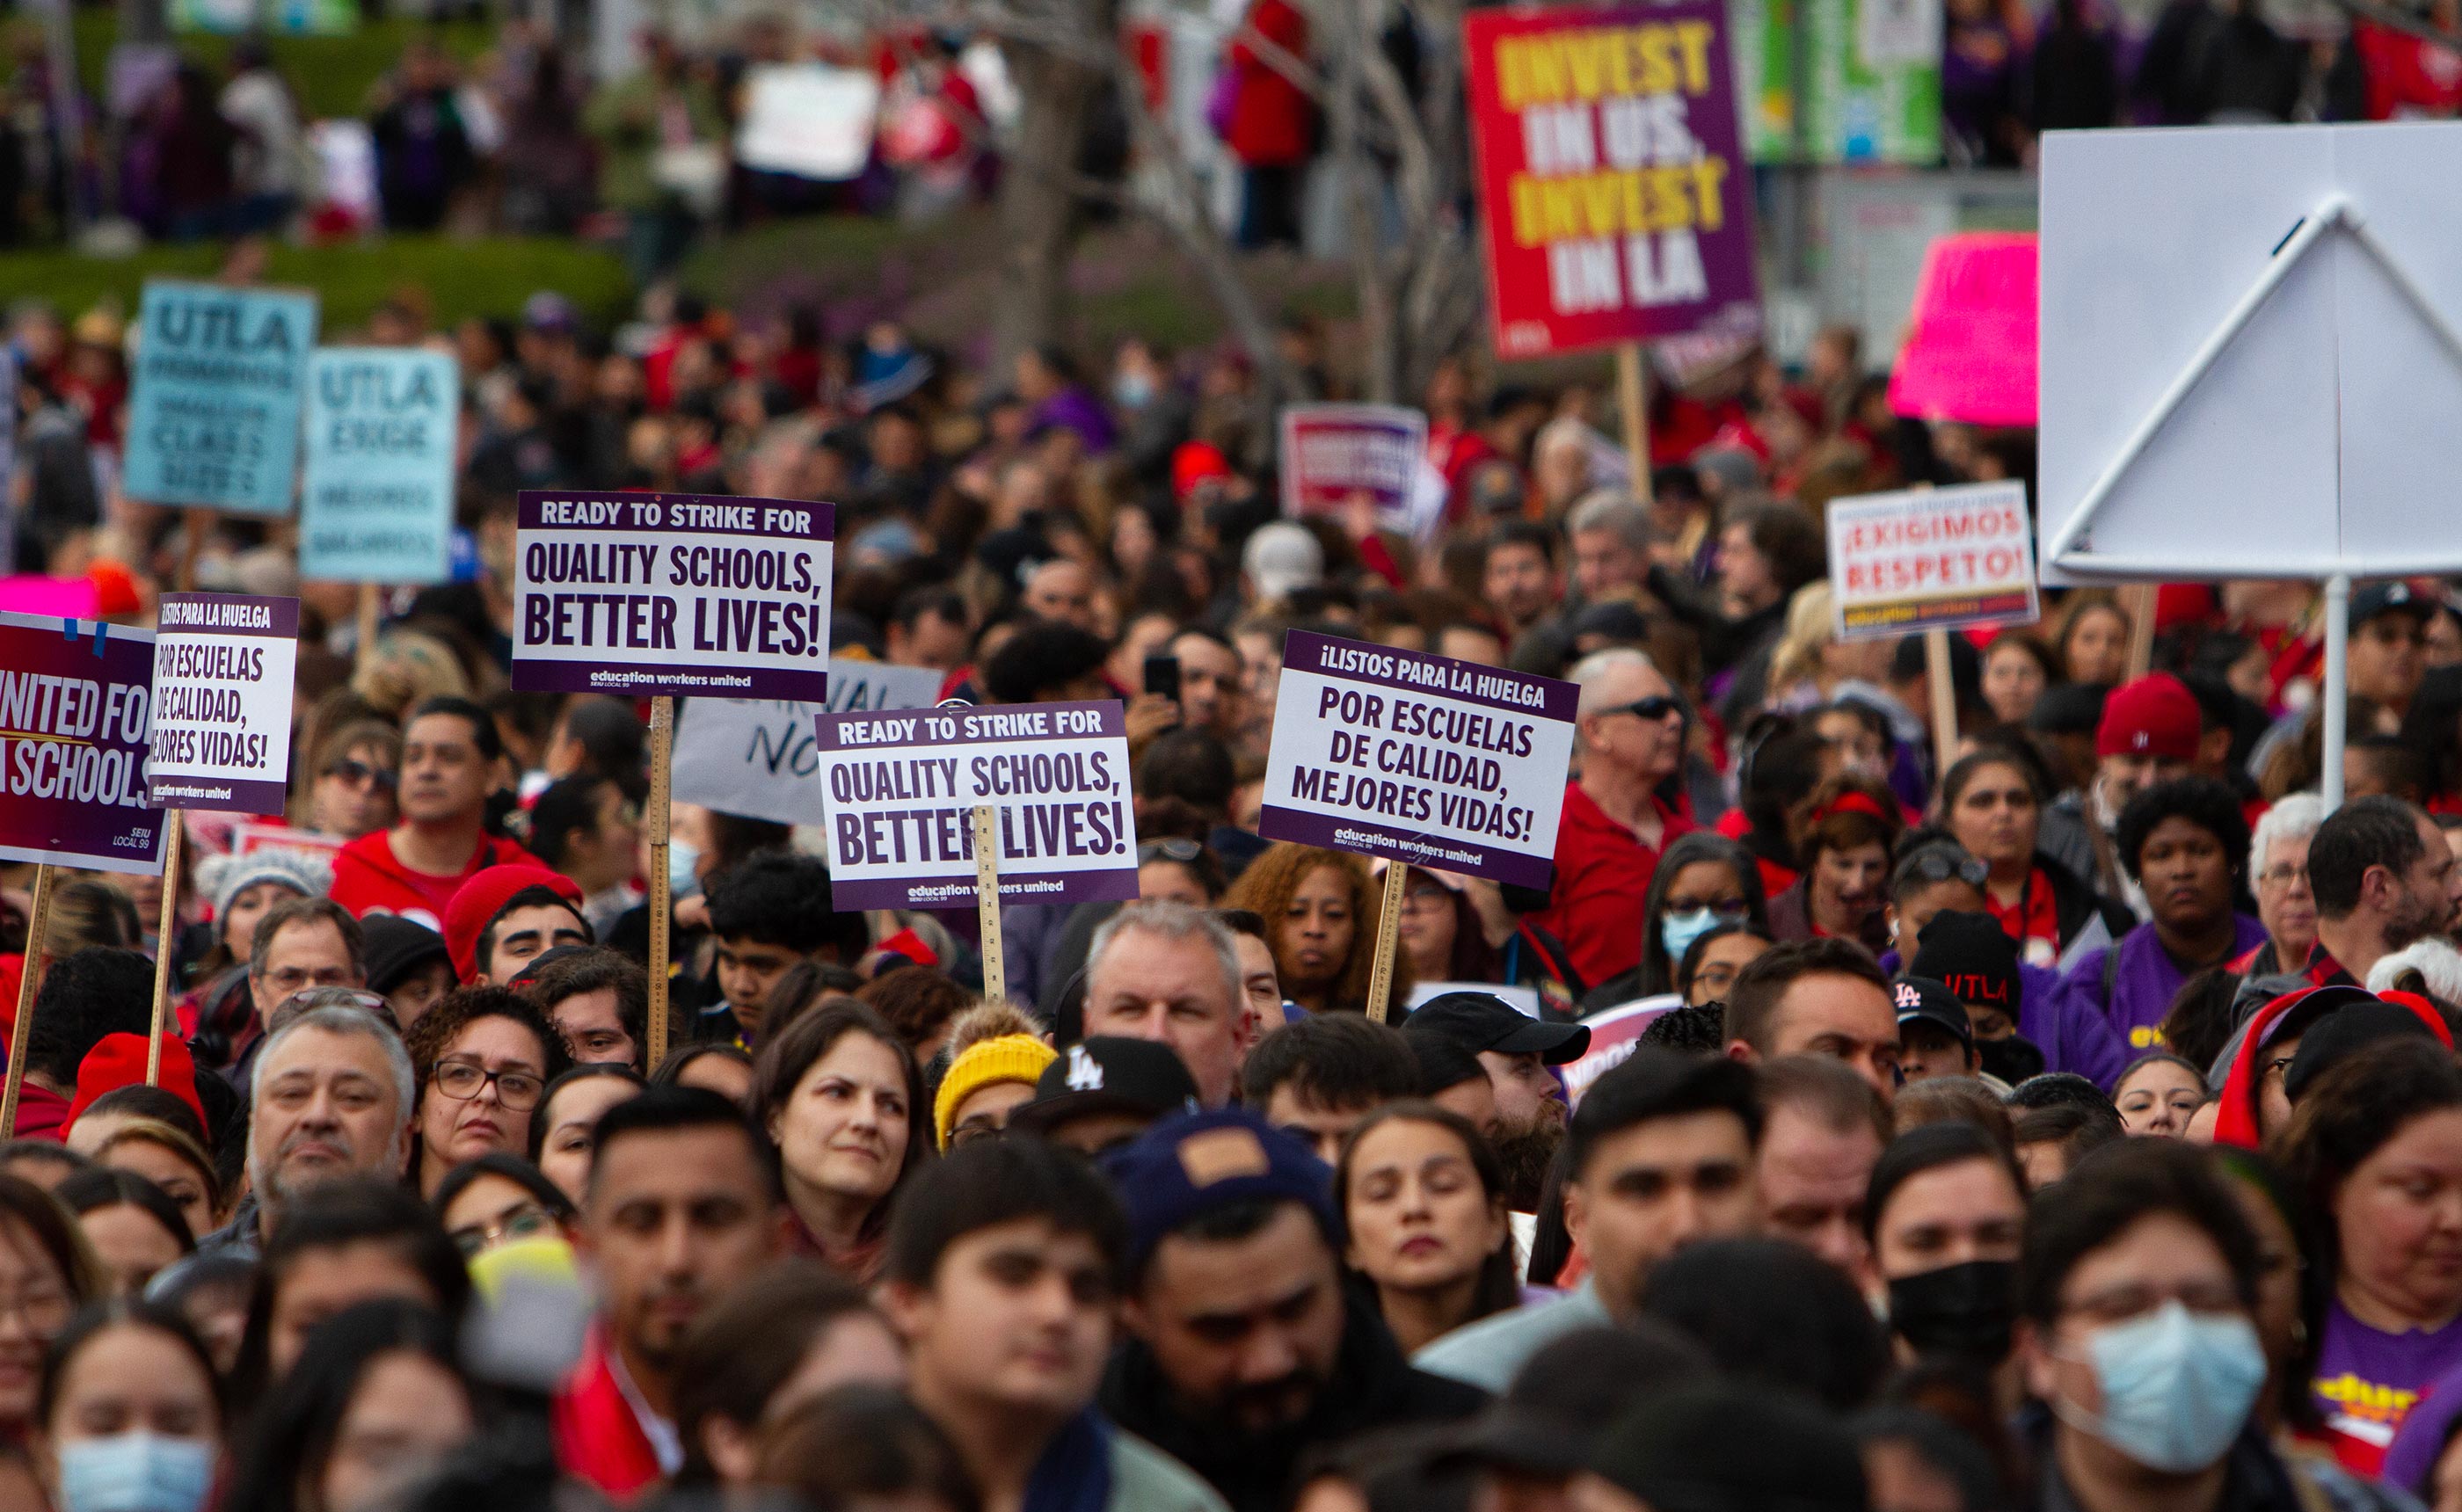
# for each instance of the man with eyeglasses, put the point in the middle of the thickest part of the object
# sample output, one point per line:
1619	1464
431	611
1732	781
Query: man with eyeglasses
305	942
1630	739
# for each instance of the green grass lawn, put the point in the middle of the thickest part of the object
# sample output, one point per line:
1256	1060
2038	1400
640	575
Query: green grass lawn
332	73
491	276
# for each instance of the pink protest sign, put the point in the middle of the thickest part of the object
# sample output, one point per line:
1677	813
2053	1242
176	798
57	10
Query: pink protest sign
1970	349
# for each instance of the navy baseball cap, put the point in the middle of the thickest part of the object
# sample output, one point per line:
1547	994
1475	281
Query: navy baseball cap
1193	1164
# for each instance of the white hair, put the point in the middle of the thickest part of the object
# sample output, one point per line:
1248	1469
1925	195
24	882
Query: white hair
2439	964
1169	921
2295	816
1610	509
1592	673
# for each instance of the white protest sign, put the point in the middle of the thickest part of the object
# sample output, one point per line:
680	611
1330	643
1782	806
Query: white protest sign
1931	559
2251	353
1418	758
672	593
757	757
224	668
810	120
900	790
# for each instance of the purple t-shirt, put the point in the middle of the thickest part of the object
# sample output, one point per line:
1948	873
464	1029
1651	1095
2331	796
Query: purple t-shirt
2367	1380
2073	1036
2145	981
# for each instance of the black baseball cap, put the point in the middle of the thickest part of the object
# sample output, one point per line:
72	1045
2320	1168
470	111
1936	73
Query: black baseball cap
1109	1074
2372	600
1920	999
1482	1020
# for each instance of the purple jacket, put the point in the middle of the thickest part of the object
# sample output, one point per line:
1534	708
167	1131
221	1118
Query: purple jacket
2072	1038
2144	979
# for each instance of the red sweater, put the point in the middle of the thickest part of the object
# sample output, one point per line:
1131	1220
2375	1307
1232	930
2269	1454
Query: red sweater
368	878
1602	872
597	1439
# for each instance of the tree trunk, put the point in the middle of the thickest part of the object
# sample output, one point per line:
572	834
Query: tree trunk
1039	211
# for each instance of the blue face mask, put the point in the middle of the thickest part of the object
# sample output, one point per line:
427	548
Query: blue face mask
1678	931
139	1472
1133	390
682	857
2176	1387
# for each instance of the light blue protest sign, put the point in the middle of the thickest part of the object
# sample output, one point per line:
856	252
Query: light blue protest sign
376	505
213	420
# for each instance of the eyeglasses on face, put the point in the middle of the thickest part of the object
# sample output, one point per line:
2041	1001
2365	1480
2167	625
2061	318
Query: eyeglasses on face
359	774
527	1221
460	1081
1657	707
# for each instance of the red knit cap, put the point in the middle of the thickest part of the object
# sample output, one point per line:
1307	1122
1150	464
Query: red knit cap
119	1060
483	896
2154	716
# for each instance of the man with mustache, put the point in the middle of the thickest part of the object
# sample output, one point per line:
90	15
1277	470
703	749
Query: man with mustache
683	1203
1245	1350
330	1100
1516	1052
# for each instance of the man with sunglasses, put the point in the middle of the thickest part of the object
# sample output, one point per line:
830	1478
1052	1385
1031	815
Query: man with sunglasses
1630	737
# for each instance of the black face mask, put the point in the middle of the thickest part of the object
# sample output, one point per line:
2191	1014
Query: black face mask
1967	1312
2013	1060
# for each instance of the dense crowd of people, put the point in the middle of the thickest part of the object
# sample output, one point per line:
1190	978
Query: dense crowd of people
2055	1112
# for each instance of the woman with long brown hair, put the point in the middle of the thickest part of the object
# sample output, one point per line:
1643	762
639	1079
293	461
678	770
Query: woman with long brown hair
1322	915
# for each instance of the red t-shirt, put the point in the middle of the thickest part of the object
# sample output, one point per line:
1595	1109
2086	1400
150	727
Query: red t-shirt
1602	872
368	878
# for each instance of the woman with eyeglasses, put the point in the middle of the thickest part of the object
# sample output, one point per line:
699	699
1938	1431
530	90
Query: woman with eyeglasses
484	1056
356	774
1845	844
1704	880
1458	929
1991	803
498	1200
1713	961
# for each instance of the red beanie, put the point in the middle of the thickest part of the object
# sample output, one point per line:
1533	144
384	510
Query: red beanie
483	898
2154	716
119	1060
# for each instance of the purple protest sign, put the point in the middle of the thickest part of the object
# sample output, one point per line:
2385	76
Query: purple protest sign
900	788
74	714
1332	452
1436	761
673	593
223	669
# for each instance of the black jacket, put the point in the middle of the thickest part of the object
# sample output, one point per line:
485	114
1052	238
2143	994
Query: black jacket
1372	1387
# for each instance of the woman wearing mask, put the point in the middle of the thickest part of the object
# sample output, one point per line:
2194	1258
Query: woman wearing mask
1324	913
1845	845
377	1400
1704	880
1992	802
2139	1341
484	1056
1946	1213
1423	1217
48	1266
843	1101
2374	1148
131	1414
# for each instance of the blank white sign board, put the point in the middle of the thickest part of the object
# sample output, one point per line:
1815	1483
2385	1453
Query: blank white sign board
2324	435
